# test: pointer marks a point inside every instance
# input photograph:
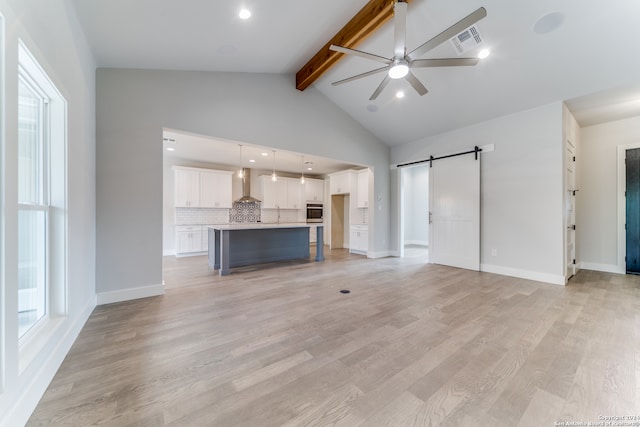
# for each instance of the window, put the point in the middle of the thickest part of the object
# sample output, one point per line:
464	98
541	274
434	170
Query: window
41	197
33	205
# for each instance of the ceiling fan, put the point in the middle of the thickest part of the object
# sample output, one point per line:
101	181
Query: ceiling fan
401	64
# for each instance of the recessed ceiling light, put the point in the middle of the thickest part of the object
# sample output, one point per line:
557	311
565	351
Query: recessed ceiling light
252	161
309	169
484	53
549	22
170	149
265	154
399	94
244	14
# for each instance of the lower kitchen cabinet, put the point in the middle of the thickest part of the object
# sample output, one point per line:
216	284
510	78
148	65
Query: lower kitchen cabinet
189	240
312	233
359	239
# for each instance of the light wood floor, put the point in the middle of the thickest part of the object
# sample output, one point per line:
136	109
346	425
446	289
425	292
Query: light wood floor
411	345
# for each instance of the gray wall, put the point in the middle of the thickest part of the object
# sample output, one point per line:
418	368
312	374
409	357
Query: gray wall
521	189
133	106
51	32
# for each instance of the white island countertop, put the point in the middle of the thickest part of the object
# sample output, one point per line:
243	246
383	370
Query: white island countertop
260	225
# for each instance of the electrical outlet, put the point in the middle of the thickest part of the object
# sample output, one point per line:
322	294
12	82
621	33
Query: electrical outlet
494	252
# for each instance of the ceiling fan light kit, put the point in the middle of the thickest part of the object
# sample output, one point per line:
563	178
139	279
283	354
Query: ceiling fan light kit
399	69
401	64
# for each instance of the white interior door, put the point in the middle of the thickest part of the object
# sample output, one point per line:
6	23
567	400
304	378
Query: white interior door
570	214
454	212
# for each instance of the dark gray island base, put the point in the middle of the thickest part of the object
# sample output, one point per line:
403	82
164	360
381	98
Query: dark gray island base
239	245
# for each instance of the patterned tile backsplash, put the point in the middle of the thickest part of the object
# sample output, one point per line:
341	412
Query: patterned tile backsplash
245	212
189	216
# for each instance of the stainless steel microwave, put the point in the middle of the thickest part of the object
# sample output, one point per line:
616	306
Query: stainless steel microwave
315	212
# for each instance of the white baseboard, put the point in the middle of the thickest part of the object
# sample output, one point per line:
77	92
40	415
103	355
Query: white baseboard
555	279
129	294
168	252
607	268
188	254
381	254
417	242
27	401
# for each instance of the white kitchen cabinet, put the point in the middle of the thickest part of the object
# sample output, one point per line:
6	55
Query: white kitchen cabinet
215	189
285	193
202	188
314	190
362	193
359	239
187	188
312	233
274	194
188	239
294	194
341	182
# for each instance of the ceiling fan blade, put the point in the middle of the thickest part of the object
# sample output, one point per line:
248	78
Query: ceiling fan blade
453	30
383	84
359	53
413	81
444	62
400	29
359	76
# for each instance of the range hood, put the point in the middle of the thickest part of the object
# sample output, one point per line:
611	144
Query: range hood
246	188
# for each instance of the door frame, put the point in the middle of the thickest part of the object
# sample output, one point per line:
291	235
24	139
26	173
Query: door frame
570	194
622	207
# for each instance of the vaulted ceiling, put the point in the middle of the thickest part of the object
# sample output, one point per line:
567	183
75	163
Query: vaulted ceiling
589	60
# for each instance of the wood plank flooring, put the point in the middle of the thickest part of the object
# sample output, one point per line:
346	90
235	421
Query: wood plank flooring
412	345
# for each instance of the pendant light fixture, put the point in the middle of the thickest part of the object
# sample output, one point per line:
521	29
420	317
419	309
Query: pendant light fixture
302	170
274	177
240	172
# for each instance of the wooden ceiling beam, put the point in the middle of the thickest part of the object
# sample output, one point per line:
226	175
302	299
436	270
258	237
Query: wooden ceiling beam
362	25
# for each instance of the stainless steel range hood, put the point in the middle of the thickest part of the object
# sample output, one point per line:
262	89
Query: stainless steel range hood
246	188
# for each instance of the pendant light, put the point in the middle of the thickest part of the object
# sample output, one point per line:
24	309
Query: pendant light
274	177
302	171
240	172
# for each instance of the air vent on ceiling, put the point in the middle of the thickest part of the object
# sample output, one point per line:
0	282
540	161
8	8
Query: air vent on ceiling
466	40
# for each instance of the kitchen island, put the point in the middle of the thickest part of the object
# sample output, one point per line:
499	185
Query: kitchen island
237	245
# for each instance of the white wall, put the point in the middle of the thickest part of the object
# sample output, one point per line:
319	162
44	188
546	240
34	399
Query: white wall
51	32
596	214
521	189
133	106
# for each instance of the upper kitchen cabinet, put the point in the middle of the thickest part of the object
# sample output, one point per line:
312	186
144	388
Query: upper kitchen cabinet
341	182
215	189
187	188
285	193
314	190
294	194
362	193
274	193
202	188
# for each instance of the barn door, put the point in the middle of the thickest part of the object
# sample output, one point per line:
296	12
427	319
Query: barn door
454	215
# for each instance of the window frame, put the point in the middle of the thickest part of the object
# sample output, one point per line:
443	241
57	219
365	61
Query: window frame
32	342
43	202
